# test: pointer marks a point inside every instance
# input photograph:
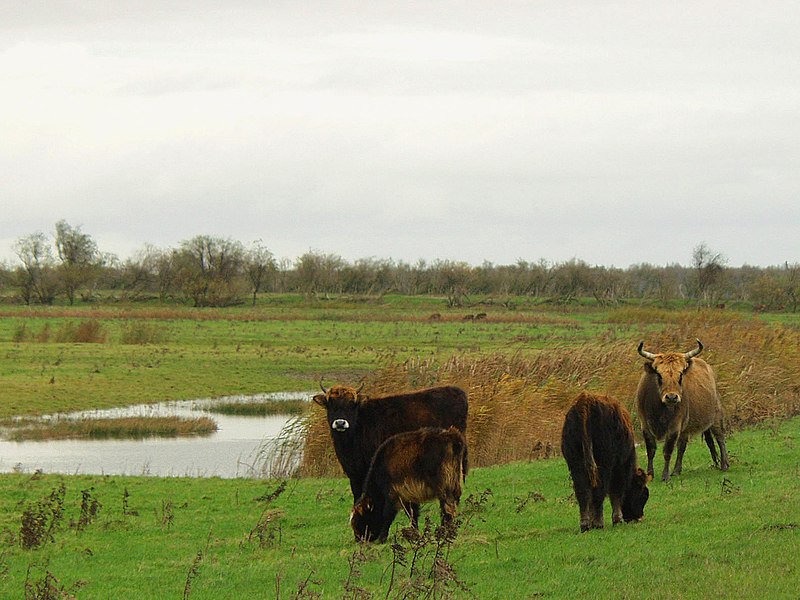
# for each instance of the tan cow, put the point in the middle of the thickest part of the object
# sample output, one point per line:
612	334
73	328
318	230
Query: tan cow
677	397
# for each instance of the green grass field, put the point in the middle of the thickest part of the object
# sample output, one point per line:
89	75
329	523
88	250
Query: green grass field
706	534
281	345
732	535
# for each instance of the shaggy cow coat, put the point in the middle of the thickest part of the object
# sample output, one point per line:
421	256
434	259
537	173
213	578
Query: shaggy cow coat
597	443
408	469
677	397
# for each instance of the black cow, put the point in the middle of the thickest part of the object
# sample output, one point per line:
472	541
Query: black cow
358	424
597	443
408	469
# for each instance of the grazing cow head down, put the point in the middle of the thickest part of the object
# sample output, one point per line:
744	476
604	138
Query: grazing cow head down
342	403
636	496
669	368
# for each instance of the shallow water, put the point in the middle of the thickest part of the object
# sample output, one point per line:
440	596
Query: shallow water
243	446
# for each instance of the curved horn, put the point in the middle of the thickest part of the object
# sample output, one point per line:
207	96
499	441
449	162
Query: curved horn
324	391
696	351
645	353
361	387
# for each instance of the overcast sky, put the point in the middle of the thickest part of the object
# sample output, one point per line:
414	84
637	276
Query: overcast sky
616	133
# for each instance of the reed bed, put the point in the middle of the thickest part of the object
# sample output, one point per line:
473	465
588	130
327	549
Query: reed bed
518	403
114	428
262	408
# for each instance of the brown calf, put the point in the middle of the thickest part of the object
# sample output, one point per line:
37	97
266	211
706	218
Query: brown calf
597	443
409	469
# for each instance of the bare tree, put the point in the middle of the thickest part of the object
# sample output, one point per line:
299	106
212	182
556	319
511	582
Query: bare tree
709	270
209	269
259	264
78	256
37	280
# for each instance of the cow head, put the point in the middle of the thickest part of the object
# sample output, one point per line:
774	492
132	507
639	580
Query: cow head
669	368
342	403
365	520
636	496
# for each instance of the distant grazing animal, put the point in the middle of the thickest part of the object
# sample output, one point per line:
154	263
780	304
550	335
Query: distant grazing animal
358	424
597	443
677	397
408	469
480	316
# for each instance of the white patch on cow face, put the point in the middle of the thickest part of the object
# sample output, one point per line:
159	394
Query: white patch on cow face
340	425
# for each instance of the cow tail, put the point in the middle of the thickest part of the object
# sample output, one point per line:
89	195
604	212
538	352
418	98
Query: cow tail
588	456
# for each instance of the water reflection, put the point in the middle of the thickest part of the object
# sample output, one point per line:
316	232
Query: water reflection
243	446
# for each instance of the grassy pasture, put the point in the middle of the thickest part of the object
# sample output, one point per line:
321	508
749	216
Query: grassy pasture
706	534
152	354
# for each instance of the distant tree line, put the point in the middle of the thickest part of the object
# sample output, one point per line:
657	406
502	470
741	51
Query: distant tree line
215	271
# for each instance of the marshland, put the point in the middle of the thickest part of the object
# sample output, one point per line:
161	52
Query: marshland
100	535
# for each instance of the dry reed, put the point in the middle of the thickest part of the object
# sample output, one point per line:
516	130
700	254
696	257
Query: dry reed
114	428
518	403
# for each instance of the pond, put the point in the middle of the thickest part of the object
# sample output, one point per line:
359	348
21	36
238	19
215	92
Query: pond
243	446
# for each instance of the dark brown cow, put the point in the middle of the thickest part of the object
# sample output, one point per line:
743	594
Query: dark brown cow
597	443
358	424
408	469
677	397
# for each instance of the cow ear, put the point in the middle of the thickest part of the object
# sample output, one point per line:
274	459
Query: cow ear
321	399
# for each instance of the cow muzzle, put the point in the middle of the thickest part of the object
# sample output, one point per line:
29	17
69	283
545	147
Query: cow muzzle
671	399
340	425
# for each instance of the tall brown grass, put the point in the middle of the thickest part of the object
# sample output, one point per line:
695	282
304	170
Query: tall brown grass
517	403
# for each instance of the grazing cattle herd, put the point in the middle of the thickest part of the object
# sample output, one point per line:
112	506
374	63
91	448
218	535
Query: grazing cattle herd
402	450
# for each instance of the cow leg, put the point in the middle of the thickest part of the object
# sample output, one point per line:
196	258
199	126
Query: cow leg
583	494
598	497
355	487
650	444
616	508
387	518
710	443
719	435
669	446
414	515
683	439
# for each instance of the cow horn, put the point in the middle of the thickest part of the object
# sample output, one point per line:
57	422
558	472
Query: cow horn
696	351
324	391
361	387
645	353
